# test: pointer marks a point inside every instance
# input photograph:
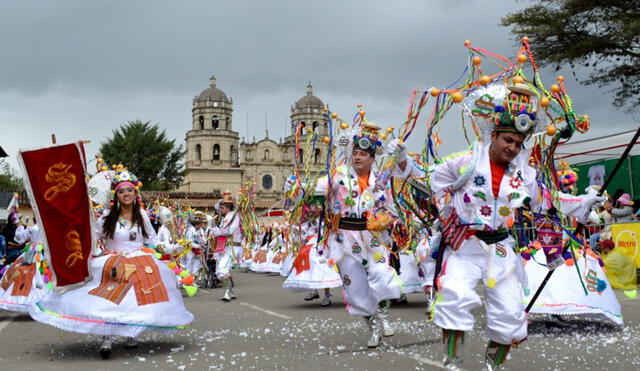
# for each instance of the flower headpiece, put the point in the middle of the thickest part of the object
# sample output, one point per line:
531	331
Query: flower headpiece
124	178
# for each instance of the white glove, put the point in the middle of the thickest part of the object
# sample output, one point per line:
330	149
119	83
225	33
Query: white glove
398	149
591	200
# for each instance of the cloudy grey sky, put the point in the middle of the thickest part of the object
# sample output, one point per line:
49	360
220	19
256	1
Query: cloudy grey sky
80	68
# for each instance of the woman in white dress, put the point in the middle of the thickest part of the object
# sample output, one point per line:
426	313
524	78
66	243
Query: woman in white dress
130	292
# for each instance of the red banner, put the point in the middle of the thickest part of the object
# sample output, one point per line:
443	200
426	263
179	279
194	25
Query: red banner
55	182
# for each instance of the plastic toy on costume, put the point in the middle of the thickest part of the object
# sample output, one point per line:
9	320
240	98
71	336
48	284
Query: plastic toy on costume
479	192
130	292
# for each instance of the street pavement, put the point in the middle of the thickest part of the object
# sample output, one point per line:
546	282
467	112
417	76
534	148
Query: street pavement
270	328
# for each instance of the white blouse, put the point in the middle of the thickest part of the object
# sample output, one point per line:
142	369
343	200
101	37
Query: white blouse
127	237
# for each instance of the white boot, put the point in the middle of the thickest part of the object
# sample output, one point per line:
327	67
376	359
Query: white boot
374	327
227	289
383	314
326	301
313	294
453	341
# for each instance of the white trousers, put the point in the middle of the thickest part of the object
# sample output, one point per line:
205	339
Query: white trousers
366	274
496	265
224	263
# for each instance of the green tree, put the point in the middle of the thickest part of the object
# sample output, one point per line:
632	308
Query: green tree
145	150
10	180
603	35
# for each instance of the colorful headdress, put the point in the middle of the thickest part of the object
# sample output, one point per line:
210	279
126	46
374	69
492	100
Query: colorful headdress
367	139
227	199
124	178
518	111
567	177
199	217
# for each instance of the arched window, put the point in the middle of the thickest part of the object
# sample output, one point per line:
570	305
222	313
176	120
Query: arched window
201	120
227	124
301	156
267	155
267	182
216	152
316	155
232	155
314	126
198	152
248	156
215	122
303	124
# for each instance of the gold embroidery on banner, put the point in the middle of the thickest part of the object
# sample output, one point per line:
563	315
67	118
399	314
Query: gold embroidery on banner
61	177
74	244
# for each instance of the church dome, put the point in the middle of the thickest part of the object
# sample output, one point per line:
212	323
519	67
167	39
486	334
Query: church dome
309	100
212	93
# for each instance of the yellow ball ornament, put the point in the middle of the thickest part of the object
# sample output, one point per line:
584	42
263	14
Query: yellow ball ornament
518	80
467	43
457	97
434	92
327	140
383	136
521	58
477	60
551	130
544	102
555	88
344	126
484	79
334	115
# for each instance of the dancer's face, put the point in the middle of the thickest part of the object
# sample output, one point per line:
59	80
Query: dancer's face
505	147
126	195
361	161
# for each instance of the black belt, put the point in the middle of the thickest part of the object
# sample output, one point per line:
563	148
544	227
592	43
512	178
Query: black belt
490	237
353	224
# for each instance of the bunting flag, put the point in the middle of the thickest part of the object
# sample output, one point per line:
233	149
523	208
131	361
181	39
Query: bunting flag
55	182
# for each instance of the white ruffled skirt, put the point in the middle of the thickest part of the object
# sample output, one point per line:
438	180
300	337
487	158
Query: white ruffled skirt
131	296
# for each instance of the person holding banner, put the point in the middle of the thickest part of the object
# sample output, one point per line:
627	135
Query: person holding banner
129	291
228	243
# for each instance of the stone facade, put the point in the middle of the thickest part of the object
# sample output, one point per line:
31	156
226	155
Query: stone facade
216	160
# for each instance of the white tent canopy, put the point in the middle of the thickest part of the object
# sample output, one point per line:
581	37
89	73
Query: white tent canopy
602	148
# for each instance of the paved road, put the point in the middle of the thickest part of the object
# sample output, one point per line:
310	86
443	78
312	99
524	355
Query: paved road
270	328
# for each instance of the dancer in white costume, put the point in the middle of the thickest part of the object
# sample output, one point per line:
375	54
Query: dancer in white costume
196	233
228	239
565	294
277	252
311	268
25	280
362	259
496	180
130	291
259	260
